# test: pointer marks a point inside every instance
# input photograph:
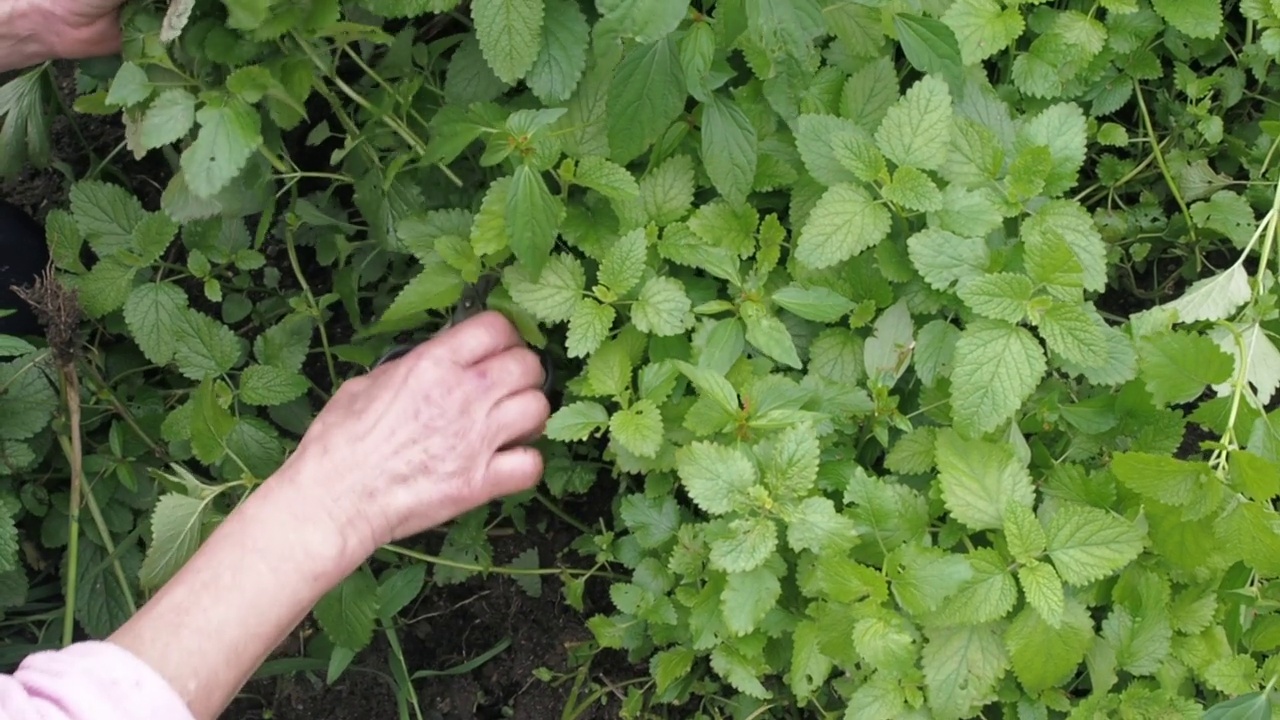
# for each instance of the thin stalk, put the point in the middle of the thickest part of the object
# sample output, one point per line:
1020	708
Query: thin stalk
71	386
292	249
497	569
100	521
1159	155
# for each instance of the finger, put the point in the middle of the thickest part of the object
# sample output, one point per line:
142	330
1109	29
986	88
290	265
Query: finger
513	371
519	418
513	471
477	338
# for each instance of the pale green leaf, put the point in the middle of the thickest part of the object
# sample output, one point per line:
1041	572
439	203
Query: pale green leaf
982	28
1044	592
577	421
562	57
916	131
962	667
748	543
844	222
625	262
589	326
269	385
551	295
510	34
997	367
1088	543
229	135
638	428
662	308
980	479
646	95
943	258
747	598
728	148
177	526
1196	18
153	313
715	476
533	217
348	613
167	119
1000	296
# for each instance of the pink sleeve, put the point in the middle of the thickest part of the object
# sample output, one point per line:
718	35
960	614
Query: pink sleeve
88	681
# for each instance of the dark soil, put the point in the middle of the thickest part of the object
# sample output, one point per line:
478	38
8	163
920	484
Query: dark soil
449	625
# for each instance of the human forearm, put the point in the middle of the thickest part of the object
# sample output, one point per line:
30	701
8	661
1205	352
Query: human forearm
211	626
22	42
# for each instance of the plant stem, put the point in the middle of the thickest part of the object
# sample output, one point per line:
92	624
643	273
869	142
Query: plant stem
498	569
71	385
1159	155
292	249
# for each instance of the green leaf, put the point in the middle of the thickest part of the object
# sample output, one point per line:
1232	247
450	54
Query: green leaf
1002	296
663	308
12	346
533	216
230	134
1044	591
608	178
770	336
1177	366
107	214
577	421
1196	18
130	86
816	303
154	314
928	44
1217	297
728	148
943	258
645	20
349	612
177	526
435	288
923	577
716	477
988	595
1075	331
747	598
962	666
815	525
203	347
914	190
749	542
713	386
1068	222
1043	656
979	480
285	345
510	35
1087	543
916	131
997	367
268	385
638	428
562	58
625	262
1023	533
646	95
836	150
1250	706
589	326
670	666
1164	479
551	295
1062	128
844	222
653	521
168	119
983	28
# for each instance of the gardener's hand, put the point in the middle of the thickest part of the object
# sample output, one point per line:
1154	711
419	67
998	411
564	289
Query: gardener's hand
79	28
430	436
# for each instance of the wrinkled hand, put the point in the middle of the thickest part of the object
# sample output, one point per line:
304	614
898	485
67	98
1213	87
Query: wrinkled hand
75	29
430	436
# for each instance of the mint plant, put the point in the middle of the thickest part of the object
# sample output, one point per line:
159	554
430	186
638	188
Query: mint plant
928	345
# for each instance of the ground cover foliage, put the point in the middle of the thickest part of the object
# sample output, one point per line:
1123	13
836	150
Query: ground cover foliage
924	347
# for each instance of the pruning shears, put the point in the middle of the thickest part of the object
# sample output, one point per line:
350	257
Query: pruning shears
474	299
